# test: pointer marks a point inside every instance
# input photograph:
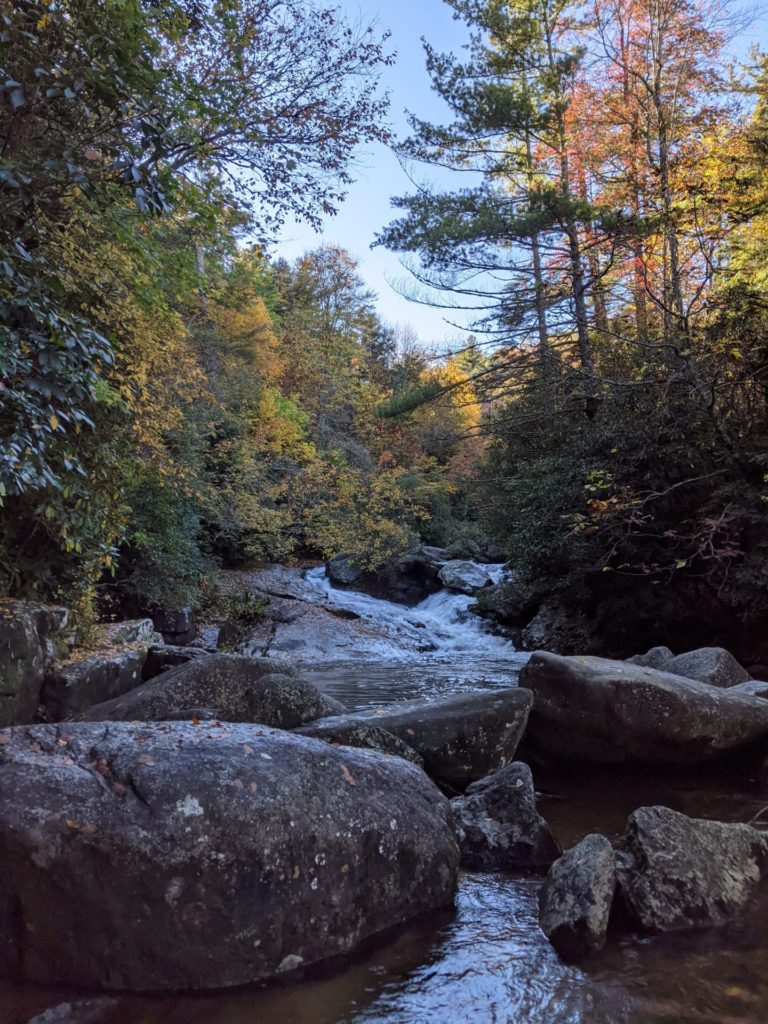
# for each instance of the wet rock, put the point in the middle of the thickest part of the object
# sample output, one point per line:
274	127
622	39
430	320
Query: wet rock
82	682
172	857
712	665
498	825
177	625
558	627
466	577
576	898
30	639
461	738
360	734
162	657
677	872
510	603
657	657
237	689
593	709
344	569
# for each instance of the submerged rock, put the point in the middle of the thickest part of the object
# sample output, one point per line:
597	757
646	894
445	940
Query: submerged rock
29	642
657	657
677	872
172	857
236	689
593	709
346	733
576	898
461	738
466	577
499	826
713	665
89	680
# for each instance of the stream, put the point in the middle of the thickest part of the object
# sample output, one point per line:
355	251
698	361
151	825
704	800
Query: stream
484	961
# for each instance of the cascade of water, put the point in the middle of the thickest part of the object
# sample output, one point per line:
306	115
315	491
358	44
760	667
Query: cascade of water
441	626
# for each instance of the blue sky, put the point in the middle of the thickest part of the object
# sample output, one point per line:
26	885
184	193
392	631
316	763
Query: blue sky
379	176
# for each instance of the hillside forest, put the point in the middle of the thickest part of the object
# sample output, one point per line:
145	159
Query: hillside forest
174	397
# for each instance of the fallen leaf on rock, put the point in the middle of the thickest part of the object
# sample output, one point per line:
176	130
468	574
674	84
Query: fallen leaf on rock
118	789
248	749
73	825
4	739
146	759
90	828
347	775
195	721
238	783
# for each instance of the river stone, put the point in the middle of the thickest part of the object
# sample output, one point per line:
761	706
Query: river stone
29	641
498	825
677	872
712	665
461	738
576	898
81	1011
171	857
82	682
593	709
657	657
466	577
237	689
752	688
360	734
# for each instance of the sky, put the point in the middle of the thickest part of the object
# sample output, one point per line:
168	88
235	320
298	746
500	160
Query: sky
367	208
379	176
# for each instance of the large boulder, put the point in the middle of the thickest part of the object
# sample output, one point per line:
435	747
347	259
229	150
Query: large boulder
368	735
171	857
656	657
177	625
466	577
559	626
593	709
712	665
677	872
461	738
237	689
345	570
29	641
498	825
576	898
510	602
83	681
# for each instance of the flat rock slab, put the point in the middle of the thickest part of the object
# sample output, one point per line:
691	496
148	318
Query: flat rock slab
677	872
498	824
593	709
234	688
577	896
461	738
175	857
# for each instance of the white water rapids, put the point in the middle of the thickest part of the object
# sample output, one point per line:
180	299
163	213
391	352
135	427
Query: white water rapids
433	648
